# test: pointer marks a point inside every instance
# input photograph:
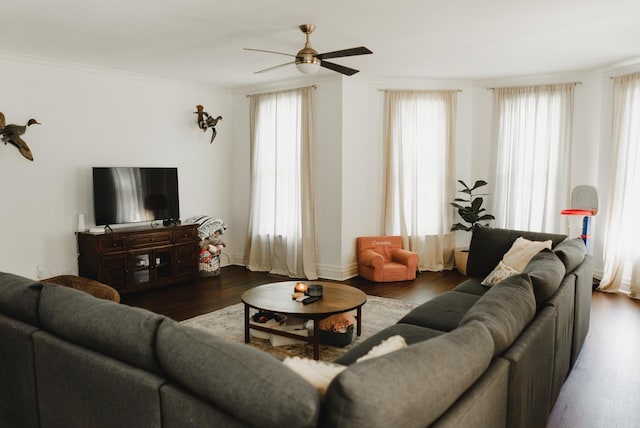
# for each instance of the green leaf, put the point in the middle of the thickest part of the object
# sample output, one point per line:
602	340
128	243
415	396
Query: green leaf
476	204
460	226
486	217
478	184
464	184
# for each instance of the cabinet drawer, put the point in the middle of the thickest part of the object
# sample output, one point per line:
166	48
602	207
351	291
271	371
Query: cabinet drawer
185	235
149	239
109	243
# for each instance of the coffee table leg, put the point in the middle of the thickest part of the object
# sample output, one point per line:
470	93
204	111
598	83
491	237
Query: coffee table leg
247	337
316	339
359	321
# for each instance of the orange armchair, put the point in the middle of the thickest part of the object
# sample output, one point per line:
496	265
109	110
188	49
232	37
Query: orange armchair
382	259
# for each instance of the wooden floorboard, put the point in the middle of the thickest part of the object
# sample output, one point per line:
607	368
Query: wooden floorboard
188	300
602	390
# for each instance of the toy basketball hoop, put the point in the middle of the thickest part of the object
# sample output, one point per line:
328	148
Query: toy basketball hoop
584	200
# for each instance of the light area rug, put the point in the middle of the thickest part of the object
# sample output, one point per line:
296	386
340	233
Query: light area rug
377	314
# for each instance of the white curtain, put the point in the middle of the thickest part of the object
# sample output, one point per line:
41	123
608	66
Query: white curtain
420	178
281	234
621	250
533	128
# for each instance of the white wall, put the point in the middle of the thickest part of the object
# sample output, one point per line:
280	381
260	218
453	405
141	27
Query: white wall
363	169
329	181
93	117
239	178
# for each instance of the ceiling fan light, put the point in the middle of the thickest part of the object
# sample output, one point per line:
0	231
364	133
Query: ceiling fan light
308	67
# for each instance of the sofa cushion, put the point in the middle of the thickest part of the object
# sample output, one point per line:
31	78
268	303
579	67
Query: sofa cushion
181	409
530	372
19	297
571	252
410	333
18	396
484	405
564	302
505	310
546	272
78	387
488	246
471	286
125	333
422	381
584	282
248	384
443	312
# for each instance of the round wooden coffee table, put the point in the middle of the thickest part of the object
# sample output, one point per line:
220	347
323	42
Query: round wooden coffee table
276	297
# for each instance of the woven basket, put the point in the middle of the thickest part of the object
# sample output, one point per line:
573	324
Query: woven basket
211	268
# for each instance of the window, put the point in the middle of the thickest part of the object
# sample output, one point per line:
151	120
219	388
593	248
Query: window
420	177
533	130
276	164
281	224
621	254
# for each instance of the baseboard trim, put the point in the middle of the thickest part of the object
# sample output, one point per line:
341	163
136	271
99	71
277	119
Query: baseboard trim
337	273
333	272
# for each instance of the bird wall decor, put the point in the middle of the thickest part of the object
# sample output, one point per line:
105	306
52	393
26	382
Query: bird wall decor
205	121
12	134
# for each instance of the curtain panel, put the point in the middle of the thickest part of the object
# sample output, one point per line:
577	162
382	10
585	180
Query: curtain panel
420	176
281	232
533	126
621	253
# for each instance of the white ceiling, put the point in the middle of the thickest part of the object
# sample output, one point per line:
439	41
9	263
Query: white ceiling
202	40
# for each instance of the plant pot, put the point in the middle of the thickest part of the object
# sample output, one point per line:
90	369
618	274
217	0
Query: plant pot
460	256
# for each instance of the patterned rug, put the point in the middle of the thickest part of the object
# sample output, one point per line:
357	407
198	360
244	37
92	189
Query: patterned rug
377	314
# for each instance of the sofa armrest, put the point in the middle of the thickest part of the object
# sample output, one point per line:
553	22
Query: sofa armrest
406	257
370	258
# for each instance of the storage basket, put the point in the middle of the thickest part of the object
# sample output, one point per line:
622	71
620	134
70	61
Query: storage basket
331	338
210	268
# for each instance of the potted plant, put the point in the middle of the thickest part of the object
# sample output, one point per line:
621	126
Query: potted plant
471	212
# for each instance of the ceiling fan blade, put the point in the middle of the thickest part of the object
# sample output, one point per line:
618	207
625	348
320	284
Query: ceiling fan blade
274	67
339	68
273	52
345	52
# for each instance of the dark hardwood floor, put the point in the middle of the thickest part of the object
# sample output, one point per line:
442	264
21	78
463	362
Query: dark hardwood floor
188	300
603	389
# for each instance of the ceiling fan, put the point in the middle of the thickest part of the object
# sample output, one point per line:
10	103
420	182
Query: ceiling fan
308	60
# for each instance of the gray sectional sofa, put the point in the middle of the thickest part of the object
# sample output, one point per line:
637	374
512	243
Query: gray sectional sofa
477	356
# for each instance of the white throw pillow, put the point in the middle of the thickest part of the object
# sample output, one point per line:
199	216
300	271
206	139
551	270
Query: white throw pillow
501	272
388	345
515	260
321	373
522	251
317	373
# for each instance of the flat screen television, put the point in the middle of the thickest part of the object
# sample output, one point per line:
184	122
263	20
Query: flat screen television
131	195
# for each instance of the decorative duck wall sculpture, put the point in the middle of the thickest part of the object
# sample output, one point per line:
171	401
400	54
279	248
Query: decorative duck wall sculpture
207	121
12	134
